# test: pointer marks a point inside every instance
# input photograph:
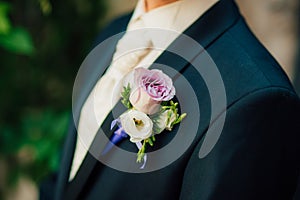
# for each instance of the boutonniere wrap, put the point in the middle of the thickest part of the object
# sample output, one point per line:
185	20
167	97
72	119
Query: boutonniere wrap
148	98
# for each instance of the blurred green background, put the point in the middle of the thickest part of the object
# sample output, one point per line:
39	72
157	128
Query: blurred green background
42	44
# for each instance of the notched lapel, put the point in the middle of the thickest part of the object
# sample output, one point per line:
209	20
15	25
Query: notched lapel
75	186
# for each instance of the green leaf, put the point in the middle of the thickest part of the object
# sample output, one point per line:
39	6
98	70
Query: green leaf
180	118
125	95
153	138
149	140
5	25
45	6
17	41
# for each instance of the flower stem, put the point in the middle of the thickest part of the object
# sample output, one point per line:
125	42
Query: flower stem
141	153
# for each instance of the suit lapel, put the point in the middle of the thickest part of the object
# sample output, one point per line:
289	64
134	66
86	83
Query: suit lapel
66	161
205	31
82	88
75	186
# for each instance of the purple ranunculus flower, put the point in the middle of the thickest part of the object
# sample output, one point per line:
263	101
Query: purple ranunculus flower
151	87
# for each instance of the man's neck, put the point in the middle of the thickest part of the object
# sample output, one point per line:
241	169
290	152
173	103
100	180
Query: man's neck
152	4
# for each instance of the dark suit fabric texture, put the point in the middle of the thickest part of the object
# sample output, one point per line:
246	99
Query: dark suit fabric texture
257	154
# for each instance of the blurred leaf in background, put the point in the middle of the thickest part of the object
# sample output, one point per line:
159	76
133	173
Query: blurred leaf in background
4	21
42	44
16	40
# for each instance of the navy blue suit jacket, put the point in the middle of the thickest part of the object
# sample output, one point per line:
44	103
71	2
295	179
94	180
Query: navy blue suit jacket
257	154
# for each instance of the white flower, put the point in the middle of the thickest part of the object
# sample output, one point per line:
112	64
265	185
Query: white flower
165	120
137	125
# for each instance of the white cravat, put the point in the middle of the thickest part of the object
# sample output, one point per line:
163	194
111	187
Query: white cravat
176	17
106	92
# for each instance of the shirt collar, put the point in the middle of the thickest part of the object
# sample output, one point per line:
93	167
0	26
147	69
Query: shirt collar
176	16
161	17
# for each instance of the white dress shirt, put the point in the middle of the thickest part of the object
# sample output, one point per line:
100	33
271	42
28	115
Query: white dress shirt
176	17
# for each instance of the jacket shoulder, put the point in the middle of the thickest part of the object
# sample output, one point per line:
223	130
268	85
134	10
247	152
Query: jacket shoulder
245	64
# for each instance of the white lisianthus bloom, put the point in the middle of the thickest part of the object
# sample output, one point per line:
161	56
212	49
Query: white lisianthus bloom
137	125
165	120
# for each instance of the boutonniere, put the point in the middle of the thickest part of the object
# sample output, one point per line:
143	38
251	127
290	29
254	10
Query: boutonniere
148	98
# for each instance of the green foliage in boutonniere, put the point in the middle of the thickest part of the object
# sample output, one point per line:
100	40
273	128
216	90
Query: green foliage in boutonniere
150	108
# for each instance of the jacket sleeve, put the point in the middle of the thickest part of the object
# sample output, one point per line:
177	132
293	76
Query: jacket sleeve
257	154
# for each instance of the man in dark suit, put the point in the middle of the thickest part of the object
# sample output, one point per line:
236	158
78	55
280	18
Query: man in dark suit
255	156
